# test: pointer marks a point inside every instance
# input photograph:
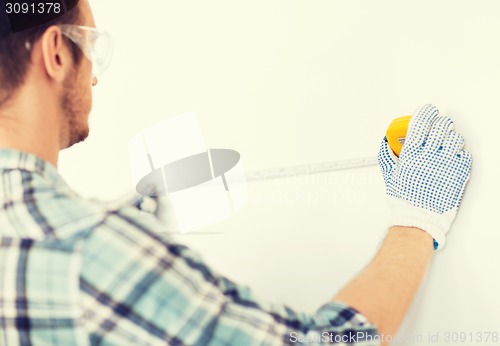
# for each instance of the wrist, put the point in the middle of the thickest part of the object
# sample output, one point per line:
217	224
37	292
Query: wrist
403	213
413	236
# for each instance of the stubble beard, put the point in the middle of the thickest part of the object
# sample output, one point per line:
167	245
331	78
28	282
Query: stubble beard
75	112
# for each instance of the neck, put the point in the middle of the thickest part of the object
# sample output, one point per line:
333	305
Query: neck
29	122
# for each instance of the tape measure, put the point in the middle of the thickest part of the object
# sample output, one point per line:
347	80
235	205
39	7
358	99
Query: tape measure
396	134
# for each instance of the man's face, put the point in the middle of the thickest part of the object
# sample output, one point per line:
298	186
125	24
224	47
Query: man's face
76	98
76	102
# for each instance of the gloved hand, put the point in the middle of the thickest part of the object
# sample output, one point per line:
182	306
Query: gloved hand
425	184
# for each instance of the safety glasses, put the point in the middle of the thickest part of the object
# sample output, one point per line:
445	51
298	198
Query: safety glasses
96	45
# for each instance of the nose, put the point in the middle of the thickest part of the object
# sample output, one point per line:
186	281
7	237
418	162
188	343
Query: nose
94	81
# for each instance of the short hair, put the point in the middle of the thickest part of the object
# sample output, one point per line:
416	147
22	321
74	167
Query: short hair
15	58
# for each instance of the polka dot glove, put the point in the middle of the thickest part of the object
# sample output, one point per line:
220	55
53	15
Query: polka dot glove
425	184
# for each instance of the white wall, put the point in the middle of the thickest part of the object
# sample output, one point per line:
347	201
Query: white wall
288	82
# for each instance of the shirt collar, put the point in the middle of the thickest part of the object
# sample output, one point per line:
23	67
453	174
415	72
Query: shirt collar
11	159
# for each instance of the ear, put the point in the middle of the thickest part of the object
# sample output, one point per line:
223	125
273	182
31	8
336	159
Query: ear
55	54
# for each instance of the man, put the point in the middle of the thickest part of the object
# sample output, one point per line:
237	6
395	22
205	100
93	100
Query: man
79	272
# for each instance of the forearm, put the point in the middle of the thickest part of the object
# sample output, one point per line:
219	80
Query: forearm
384	290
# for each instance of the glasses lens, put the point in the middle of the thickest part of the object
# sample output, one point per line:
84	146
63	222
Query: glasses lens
101	52
96	45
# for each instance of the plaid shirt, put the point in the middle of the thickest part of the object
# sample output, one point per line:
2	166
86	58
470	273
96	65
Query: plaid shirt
83	272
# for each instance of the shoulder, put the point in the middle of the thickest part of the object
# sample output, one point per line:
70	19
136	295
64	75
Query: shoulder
64	213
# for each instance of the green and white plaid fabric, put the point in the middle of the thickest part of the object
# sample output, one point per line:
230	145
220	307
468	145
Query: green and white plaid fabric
82	272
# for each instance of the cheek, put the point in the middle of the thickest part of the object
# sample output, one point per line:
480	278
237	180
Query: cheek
83	88
81	96
86	72
87	99
85	81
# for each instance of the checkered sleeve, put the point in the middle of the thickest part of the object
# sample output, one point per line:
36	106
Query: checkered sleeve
139	288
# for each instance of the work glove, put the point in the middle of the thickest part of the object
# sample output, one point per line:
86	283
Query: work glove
426	183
